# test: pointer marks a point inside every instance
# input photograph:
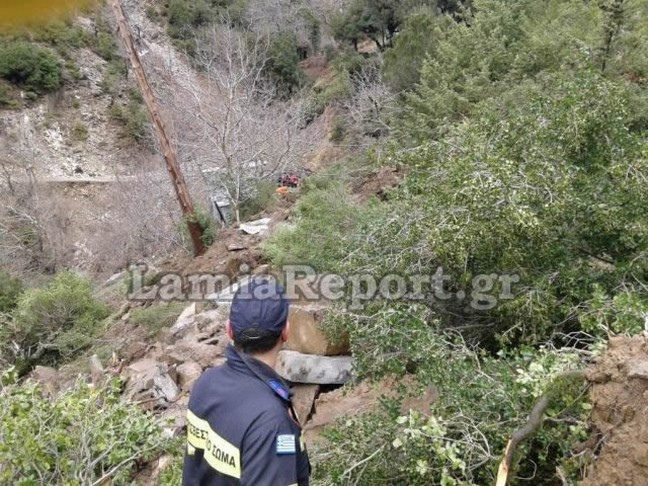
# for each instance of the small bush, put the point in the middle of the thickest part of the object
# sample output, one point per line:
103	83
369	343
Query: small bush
84	436
185	16
32	67
53	323
327	92
6	100
79	132
264	197
157	317
206	222
61	35
338	130
114	73
105	46
327	221
11	288
133	117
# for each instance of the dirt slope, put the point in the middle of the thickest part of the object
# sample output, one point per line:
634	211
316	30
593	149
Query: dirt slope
620	414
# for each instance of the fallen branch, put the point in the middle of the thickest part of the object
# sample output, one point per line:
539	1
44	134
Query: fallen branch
536	417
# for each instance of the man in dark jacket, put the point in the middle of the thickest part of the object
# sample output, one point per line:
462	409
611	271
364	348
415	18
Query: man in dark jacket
242	429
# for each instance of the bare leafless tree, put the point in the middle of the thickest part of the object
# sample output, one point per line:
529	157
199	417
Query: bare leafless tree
230	122
371	102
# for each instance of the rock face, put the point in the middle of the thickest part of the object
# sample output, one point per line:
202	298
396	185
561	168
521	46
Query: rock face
309	368
306	335
620	416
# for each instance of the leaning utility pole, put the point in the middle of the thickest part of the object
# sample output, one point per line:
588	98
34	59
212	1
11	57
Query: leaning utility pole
168	151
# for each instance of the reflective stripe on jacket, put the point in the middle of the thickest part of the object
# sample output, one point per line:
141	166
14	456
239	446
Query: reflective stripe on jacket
241	430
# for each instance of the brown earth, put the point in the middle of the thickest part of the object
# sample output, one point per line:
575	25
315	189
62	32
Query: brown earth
620	415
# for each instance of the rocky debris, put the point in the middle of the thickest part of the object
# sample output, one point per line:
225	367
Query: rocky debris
237	246
47	377
306	335
175	417
303	400
257	227
97	371
308	368
188	373
619	396
185	321
212	320
188	349
150	384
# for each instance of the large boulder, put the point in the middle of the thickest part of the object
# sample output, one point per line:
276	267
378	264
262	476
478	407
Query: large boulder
185	322
309	368
47	377
150	383
187	374
205	354
306	335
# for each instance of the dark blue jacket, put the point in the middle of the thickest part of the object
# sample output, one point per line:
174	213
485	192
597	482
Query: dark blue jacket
241	429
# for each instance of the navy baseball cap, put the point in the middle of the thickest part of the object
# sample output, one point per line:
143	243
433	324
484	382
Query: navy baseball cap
259	305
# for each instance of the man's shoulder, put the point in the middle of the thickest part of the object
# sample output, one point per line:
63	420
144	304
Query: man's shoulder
230	388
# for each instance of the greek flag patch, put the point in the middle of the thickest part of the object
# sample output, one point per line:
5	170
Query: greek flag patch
286	444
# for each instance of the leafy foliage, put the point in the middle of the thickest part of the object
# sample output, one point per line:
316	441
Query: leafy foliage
283	62
30	66
11	288
481	401
523	146
132	116
157	316
327	222
52	323
84	436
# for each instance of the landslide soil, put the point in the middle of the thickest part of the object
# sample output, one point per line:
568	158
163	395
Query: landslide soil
620	415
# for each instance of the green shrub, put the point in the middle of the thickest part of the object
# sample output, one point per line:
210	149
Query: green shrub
30	66
115	71
185	16
327	221
72	70
11	288
53	323
133	117
6	100
79	132
283	62
157	316
338	130
327	92
86	435
105	46
62	35
264	196
207	224
459	441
